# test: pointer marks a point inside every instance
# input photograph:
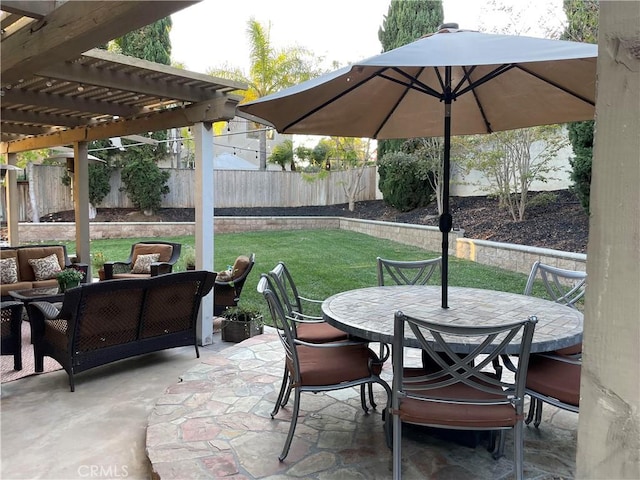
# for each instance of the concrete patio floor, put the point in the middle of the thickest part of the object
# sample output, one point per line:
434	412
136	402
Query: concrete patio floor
170	415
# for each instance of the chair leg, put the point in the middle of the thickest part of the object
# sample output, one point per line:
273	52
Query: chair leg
532	410
397	445
538	419
292	427
498	444
371	399
283	387
363	397
388	428
285	399
17	360
518	450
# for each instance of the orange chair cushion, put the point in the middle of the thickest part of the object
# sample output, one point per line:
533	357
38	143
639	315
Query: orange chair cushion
320	332
165	251
554	378
331	366
450	415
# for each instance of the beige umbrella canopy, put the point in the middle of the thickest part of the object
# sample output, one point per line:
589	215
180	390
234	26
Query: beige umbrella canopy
453	82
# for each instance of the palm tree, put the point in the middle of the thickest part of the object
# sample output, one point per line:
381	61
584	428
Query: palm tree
271	70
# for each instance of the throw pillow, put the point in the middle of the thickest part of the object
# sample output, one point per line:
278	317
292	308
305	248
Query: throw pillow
45	268
143	263
8	270
224	276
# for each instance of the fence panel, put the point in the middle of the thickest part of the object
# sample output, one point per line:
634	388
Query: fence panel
232	188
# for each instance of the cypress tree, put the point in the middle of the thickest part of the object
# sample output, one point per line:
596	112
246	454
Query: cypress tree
582	26
405	22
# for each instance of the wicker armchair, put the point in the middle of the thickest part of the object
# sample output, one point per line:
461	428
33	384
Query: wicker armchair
168	254
228	286
12	332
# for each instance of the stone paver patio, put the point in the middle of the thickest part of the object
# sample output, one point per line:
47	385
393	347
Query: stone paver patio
216	423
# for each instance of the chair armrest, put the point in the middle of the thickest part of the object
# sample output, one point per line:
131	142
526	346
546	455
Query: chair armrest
38	313
302	318
310	300
160	268
48	311
110	268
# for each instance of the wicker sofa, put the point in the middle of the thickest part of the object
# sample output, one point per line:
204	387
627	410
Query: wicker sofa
26	277
102	322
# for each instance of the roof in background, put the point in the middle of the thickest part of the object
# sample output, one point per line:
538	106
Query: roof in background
226	161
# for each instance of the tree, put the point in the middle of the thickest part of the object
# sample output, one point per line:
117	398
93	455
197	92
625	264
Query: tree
429	152
152	43
511	162
282	154
404	23
353	155
144	183
270	71
582	26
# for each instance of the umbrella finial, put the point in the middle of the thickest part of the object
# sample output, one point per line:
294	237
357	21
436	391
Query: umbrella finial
448	26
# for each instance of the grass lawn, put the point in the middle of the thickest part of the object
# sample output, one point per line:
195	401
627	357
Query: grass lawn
323	262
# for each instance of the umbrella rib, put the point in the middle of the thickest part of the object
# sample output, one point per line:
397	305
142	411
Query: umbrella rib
328	102
558	86
467	74
413	83
478	103
489	76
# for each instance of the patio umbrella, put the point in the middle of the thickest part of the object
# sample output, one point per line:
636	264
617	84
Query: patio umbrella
453	82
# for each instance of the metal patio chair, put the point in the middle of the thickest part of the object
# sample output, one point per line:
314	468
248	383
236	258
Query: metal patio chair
554	378
308	328
317	367
461	394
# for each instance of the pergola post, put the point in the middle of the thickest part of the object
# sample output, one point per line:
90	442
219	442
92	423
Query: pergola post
81	201
204	205
11	198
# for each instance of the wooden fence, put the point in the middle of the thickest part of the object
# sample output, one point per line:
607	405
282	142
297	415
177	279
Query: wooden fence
232	188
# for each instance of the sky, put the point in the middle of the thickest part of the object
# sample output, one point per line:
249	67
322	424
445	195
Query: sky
212	33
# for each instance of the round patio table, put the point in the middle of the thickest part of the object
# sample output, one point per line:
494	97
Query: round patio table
369	313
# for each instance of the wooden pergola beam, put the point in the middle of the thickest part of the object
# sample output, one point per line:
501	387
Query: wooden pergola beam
73	28
219	109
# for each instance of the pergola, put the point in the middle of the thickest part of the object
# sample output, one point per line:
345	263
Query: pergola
58	90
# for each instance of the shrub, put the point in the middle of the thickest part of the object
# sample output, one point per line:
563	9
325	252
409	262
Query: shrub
99	186
145	183
542	199
402	181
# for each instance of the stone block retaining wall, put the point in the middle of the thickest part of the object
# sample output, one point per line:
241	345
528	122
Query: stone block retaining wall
517	258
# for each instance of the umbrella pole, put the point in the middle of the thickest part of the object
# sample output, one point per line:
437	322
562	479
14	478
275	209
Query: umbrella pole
445	219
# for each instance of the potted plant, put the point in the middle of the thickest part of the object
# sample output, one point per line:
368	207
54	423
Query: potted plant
69	278
240	323
97	263
189	258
